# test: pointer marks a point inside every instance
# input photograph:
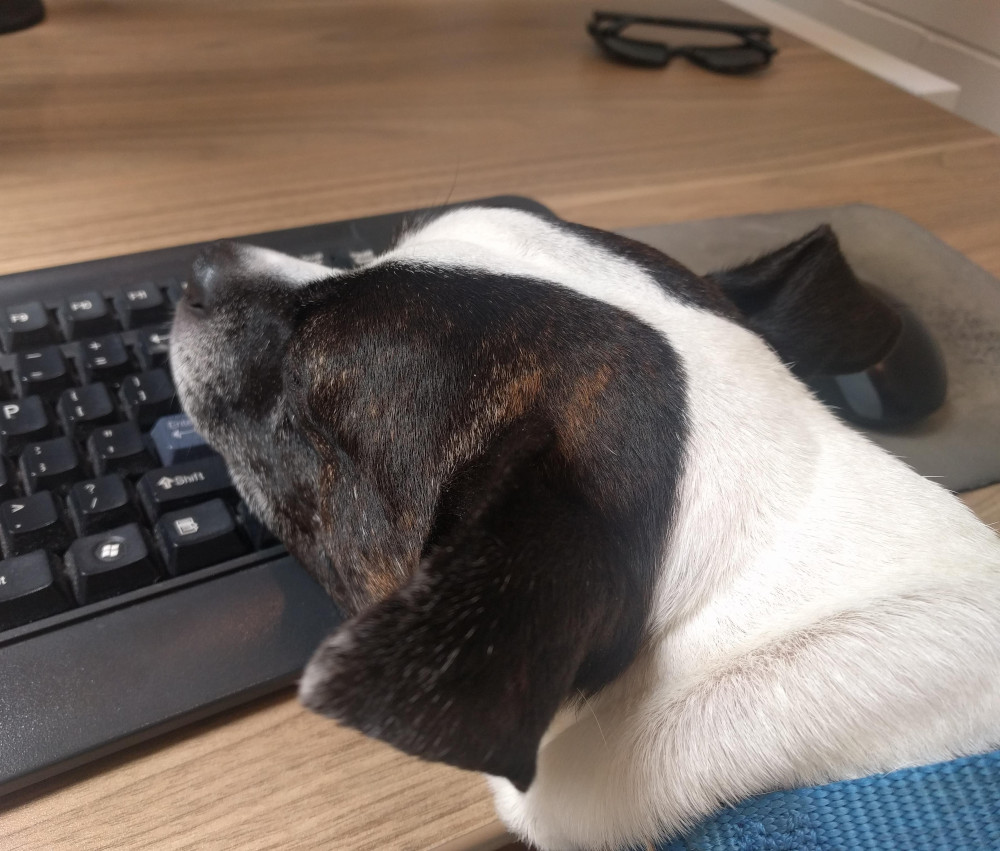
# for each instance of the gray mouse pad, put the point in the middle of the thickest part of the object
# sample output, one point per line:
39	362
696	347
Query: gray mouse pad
959	445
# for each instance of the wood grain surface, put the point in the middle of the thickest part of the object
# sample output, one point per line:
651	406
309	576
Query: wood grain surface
133	125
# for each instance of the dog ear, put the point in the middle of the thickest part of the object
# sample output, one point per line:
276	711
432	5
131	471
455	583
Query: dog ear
806	302
518	603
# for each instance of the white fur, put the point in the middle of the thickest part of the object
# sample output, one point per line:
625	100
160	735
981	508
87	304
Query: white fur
823	612
292	270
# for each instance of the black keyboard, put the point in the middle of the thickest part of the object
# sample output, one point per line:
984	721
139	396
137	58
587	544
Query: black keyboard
137	592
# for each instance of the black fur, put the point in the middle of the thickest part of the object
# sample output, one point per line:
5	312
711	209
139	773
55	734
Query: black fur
480	468
522	604
674	278
515	449
806	302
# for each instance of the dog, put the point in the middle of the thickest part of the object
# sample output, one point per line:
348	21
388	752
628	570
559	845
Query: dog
595	539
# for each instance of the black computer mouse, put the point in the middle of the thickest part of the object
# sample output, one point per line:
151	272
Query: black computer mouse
904	387
863	353
20	14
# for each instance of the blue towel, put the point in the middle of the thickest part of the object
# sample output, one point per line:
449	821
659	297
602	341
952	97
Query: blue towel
950	806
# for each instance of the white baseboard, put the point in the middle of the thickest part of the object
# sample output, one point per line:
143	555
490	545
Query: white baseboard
884	65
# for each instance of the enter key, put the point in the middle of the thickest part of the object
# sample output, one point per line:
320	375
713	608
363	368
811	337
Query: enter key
177	441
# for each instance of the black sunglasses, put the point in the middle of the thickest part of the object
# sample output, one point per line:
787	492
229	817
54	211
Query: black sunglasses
752	53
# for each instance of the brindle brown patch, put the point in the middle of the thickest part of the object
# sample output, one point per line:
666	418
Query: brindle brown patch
520	393
583	407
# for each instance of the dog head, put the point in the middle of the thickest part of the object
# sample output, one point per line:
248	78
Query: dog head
474	443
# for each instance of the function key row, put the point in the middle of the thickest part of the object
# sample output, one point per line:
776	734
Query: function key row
88	314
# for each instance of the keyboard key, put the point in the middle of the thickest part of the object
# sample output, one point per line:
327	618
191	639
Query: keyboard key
350	252
85	315
173	488
103	359
153	346
7	480
141	305
256	532
83	409
99	504
148	396
119	448
198	536
42	372
50	465
30	589
23	422
176	440
25	325
109	563
175	290
32	523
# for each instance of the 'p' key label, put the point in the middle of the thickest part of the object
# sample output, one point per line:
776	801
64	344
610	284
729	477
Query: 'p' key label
23	422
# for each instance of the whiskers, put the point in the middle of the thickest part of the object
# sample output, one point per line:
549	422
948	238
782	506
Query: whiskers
597	720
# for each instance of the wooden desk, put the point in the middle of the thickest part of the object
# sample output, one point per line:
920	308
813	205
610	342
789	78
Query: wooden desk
132	125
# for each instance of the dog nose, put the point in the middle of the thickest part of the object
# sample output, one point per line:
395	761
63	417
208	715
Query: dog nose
207	271
195	293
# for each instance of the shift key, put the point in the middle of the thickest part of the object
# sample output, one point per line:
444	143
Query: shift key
170	488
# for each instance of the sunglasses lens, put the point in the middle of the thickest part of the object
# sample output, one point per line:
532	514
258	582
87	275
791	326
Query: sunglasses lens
728	60
646	53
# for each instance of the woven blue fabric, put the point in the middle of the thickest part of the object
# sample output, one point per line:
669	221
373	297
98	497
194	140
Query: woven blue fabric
950	806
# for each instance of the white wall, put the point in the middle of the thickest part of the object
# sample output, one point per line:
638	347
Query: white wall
958	40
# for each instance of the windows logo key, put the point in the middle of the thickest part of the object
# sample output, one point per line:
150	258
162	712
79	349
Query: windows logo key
111	550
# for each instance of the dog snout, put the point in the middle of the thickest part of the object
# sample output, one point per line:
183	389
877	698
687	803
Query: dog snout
207	272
